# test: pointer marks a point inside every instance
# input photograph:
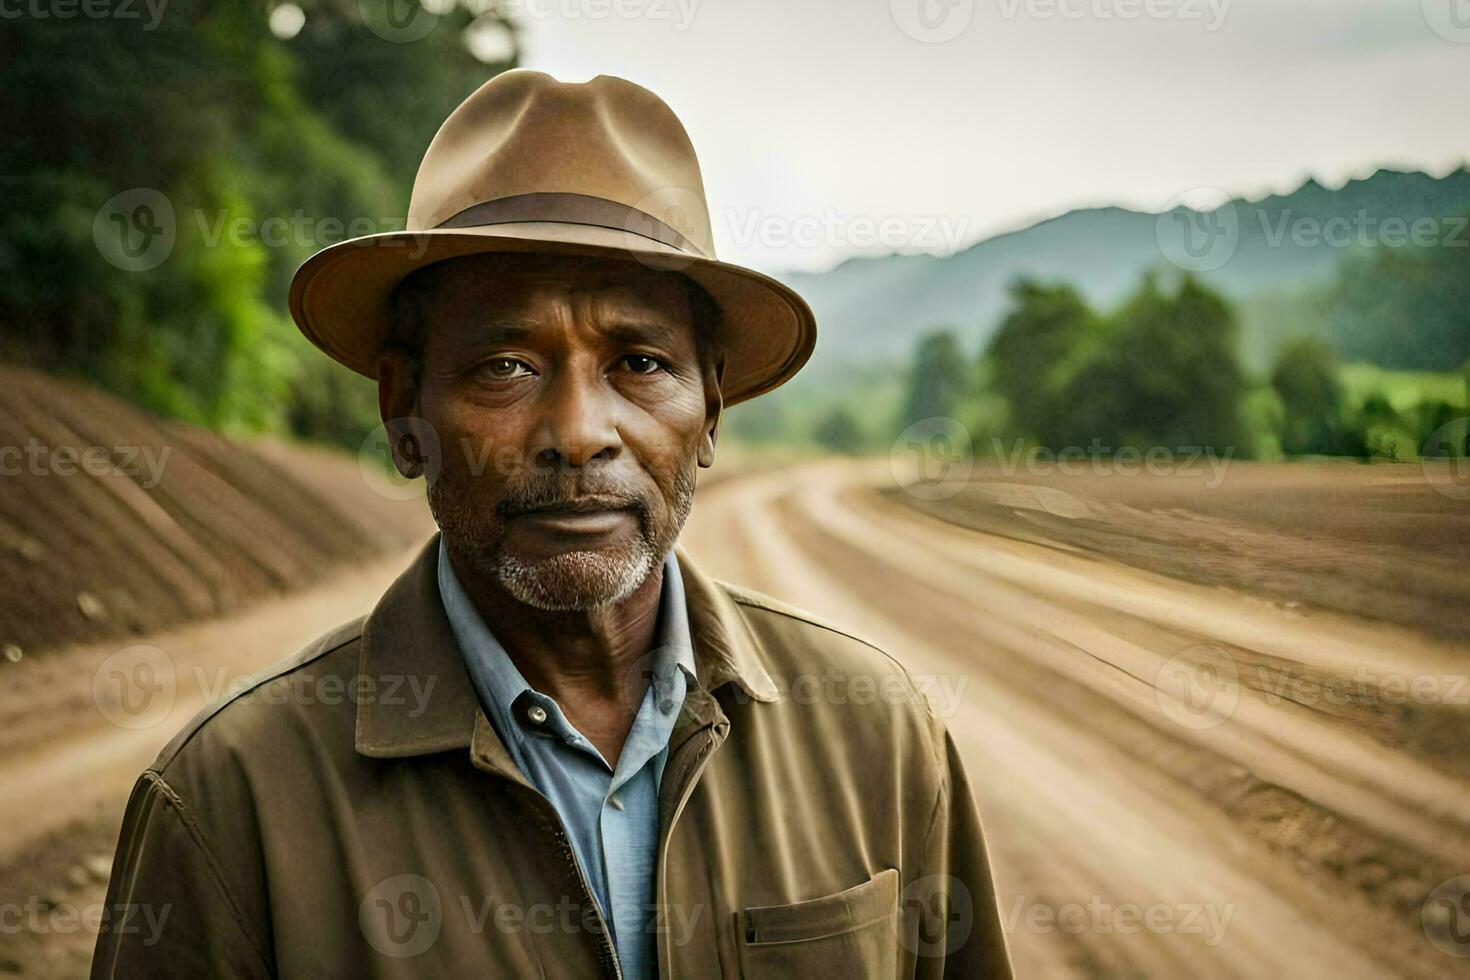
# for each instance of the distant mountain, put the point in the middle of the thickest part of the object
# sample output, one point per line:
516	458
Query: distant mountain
875	306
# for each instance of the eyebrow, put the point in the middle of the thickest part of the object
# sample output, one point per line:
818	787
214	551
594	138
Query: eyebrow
641	332
496	333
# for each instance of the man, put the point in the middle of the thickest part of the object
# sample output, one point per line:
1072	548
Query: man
566	751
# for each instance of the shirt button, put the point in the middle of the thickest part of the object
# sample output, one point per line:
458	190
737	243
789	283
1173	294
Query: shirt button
537	714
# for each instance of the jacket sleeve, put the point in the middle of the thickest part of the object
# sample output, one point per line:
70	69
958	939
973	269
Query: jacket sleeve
958	923
169	911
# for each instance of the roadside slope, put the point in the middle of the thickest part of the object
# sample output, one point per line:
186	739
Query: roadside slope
114	522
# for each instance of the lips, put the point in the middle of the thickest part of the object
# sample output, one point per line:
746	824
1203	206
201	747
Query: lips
594	504
584	515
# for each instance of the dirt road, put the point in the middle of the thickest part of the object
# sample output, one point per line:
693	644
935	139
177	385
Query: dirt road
1177	779
70	750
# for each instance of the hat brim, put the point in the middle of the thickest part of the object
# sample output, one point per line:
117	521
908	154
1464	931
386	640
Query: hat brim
340	297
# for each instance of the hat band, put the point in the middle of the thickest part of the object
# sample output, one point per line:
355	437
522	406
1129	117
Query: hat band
575	209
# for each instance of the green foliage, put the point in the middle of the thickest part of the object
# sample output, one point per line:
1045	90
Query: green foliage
937	382
1402	389
1043	342
1262	421
1159	371
1306	379
1400	414
840	432
1404	307
263	149
1383	431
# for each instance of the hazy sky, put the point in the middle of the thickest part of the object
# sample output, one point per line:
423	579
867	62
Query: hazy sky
834	127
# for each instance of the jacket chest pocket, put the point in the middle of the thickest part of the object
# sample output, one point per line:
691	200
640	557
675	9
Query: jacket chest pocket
853	931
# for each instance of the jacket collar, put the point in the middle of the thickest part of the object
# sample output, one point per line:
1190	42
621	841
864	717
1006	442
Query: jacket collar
408	646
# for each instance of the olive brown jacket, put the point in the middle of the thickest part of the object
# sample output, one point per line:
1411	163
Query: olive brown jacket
353	814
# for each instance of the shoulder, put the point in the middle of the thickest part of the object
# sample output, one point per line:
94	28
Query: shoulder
846	699
816	662
788	634
306	690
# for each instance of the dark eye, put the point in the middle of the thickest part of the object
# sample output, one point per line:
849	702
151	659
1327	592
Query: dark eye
505	368
642	363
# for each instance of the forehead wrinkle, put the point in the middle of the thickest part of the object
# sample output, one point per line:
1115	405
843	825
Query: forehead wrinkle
546	304
619	311
495	333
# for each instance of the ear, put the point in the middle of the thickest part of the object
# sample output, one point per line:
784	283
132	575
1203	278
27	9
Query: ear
714	406
398	407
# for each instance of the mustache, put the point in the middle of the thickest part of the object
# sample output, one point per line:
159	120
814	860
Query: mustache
553	492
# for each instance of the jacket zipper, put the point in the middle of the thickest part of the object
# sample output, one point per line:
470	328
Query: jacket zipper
702	760
604	937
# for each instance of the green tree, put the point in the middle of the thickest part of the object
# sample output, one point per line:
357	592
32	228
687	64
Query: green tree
1305	376
1046	338
1404	307
1378	429
1167	375
839	431
937	381
215	126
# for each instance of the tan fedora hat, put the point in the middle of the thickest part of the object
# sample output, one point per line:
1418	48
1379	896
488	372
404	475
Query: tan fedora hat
531	164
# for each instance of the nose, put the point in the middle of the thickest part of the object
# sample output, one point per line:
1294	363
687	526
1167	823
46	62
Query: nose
580	423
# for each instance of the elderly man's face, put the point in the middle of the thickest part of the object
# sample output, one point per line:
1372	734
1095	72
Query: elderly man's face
571	408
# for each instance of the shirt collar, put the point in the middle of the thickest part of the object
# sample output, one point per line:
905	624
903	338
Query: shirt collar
407	639
500	683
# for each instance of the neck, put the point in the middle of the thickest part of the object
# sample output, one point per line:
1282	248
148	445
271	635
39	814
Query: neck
585	659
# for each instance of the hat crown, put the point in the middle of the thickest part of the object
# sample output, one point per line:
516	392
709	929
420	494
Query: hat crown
524	132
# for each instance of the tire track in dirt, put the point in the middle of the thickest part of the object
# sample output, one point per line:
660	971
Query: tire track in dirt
1089	790
1340	768
55	776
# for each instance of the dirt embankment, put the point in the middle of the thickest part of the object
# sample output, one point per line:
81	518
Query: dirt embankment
114	522
114	525
1388	541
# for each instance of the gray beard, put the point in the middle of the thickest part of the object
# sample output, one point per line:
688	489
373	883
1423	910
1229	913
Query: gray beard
572	580
577	579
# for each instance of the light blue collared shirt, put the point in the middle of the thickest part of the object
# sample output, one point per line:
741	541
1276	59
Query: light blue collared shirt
611	815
